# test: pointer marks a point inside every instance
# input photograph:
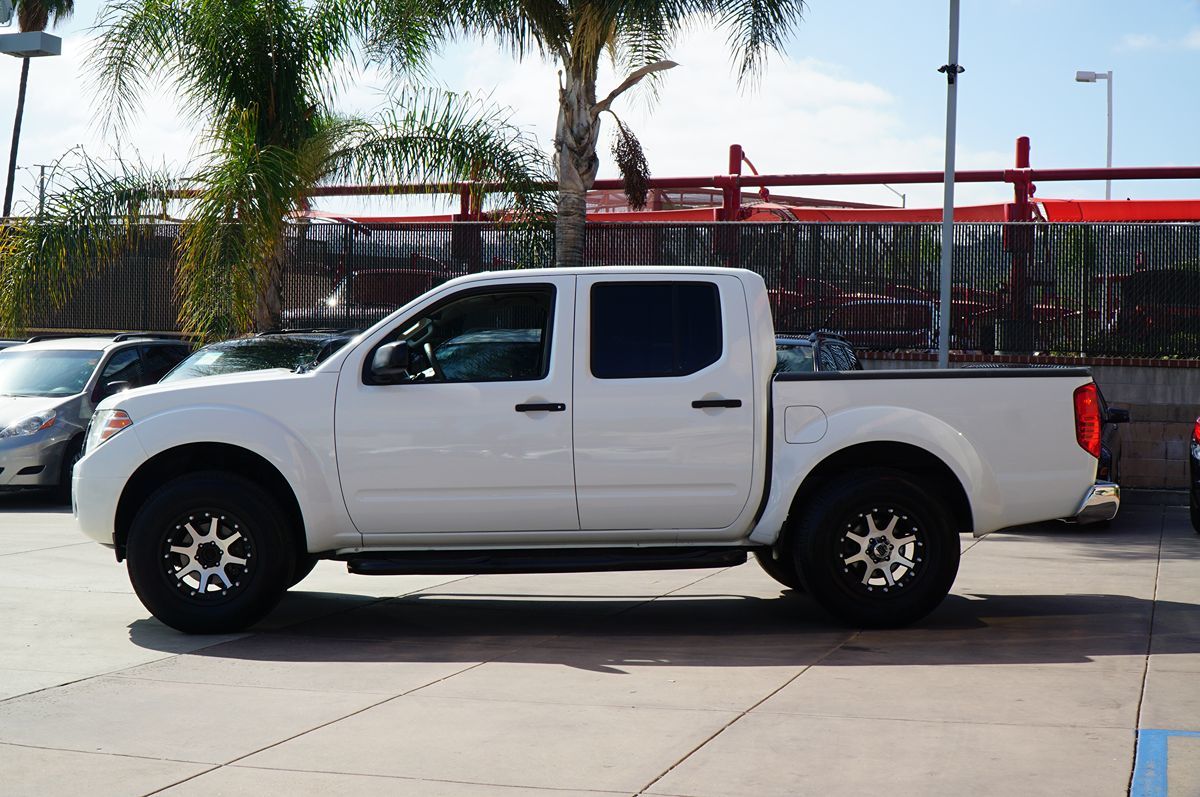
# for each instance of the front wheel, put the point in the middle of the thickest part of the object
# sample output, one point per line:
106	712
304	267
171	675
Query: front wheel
1195	505
876	549
208	553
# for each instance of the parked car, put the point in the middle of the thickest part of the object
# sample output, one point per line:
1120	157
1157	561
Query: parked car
290	349
4	344
48	390
648	431
819	351
364	296
1194	492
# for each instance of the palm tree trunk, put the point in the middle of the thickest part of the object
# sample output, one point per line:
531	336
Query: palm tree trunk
269	308
575	144
16	138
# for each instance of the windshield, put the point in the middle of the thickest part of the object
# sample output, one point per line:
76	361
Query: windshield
45	372
791	359
254	354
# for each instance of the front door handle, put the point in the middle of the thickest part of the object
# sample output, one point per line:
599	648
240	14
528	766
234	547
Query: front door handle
541	407
704	404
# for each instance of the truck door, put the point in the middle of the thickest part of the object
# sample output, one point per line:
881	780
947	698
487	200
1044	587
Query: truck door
476	437
664	405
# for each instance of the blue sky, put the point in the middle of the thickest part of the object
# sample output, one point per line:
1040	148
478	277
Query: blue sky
857	90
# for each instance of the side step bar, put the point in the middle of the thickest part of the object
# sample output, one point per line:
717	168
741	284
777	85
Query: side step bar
540	560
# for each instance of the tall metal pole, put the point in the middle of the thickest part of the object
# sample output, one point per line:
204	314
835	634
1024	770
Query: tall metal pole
1108	183
952	70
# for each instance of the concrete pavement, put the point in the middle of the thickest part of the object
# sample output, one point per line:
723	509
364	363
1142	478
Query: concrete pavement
1066	662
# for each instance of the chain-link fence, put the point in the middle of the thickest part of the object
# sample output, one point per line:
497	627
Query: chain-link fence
1096	289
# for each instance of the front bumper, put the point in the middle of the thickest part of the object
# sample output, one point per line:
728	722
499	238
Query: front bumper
1100	503
34	461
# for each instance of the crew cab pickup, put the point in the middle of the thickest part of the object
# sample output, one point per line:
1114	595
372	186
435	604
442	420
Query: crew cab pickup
570	420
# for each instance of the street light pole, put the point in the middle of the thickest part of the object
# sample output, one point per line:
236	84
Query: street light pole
1091	77
952	70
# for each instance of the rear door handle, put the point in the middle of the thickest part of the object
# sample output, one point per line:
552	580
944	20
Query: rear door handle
726	403
541	408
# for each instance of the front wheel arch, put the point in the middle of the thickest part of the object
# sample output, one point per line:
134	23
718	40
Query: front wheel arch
193	457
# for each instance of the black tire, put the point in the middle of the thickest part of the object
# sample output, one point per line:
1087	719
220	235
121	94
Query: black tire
782	569
847	537
305	562
71	454
1195	502
240	561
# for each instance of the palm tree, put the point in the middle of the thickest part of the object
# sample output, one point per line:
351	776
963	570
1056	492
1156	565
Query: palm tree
637	34
260	77
32	15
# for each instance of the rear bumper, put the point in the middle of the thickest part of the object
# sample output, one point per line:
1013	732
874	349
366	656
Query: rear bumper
1100	502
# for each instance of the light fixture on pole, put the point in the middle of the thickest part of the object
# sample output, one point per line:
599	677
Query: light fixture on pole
30	44
903	197
1091	77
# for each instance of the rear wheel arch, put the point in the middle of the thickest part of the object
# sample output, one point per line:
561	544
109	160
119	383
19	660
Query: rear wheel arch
924	467
168	465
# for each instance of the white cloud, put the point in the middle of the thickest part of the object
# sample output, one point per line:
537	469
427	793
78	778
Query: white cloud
1132	42
1192	40
805	116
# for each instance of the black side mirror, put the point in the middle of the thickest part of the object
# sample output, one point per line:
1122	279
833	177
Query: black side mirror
1117	416
390	361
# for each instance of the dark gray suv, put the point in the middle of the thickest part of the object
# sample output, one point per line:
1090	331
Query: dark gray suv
49	389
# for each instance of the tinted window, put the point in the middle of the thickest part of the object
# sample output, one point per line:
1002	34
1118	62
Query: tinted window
123	366
843	355
157	360
825	358
482	337
647	329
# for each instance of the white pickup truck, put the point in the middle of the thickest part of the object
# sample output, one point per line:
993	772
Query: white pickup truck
573	420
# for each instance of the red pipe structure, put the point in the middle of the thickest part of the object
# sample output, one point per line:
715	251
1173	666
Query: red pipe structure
1022	177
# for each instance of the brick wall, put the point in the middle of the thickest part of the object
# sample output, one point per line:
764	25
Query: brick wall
1162	396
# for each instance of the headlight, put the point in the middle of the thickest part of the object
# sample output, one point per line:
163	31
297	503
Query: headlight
29	424
105	424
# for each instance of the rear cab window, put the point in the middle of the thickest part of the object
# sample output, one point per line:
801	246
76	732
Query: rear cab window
642	330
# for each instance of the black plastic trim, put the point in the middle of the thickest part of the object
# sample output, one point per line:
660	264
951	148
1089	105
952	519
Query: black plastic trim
932	373
551	407
541	560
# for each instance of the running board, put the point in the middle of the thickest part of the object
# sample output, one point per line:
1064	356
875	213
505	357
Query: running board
540	560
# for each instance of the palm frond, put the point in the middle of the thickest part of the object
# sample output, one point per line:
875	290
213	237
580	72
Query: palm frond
756	29
233	240
431	136
86	225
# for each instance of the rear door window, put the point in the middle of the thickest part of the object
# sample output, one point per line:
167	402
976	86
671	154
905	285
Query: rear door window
642	330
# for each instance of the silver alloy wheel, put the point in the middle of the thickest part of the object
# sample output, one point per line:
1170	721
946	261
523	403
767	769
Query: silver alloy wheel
207	555
881	550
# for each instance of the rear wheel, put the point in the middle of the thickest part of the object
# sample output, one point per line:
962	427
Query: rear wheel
876	549
209	553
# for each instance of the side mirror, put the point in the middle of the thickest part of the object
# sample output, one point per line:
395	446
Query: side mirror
390	361
1117	416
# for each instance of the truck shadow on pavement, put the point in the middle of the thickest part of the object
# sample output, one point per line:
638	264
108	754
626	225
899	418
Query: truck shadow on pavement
608	633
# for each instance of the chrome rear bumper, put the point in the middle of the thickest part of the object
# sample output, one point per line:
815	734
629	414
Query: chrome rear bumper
1100	502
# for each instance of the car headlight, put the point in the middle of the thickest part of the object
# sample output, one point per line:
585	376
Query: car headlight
105	424
29	424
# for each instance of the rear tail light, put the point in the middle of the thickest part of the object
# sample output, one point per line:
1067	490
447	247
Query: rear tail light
1087	418
1196	432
